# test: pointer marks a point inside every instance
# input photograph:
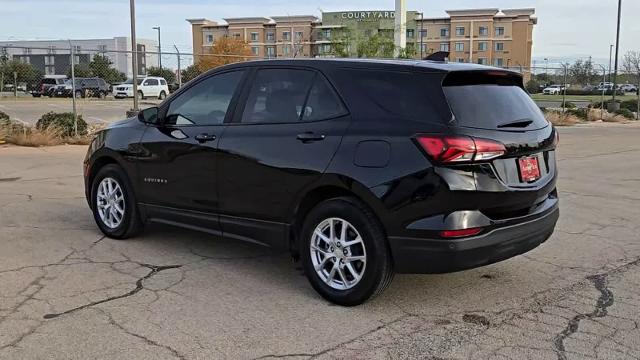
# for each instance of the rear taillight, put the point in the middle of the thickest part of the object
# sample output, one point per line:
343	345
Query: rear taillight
455	149
460	233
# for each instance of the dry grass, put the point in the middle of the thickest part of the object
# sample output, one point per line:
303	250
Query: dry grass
30	136
597	115
559	119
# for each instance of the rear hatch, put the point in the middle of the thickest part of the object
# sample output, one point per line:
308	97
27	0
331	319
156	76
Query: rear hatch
493	105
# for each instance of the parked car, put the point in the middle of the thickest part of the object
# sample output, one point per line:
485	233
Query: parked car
553	90
627	88
84	87
360	168
149	86
46	84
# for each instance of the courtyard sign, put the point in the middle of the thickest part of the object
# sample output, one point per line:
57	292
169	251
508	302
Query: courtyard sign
368	15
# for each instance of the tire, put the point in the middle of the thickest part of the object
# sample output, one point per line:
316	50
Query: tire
140	95
375	274
102	95
129	224
78	94
162	95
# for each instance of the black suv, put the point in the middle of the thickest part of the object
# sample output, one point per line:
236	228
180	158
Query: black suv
360	168
84	87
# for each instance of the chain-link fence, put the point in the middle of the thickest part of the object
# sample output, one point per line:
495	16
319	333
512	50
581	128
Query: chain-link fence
97	83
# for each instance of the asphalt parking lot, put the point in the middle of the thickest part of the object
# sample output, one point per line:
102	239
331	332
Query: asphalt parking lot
66	292
29	109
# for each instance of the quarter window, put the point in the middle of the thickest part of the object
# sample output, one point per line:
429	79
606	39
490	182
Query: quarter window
206	103
151	82
277	96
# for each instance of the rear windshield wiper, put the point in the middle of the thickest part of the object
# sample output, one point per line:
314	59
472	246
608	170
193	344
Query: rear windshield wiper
516	124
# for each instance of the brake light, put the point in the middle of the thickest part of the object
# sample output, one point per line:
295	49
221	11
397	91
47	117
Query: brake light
460	233
454	149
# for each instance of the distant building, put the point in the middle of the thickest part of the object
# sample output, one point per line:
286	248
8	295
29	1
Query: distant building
53	57
486	36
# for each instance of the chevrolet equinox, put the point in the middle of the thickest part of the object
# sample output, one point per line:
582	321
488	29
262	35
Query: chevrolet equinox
360	168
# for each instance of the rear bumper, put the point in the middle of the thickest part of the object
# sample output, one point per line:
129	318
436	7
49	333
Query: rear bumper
430	256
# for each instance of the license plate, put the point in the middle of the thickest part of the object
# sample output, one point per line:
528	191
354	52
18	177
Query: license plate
529	169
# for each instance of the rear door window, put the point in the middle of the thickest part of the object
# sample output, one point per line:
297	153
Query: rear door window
491	100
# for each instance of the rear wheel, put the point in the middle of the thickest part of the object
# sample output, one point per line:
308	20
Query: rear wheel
162	95
113	203
78	94
344	252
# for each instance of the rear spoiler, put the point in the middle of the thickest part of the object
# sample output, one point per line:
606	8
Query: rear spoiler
483	77
441	56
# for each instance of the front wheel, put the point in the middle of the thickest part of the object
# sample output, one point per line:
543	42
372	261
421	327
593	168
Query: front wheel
113	203
140	95
344	252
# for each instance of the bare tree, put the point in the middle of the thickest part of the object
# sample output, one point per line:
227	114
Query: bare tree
631	65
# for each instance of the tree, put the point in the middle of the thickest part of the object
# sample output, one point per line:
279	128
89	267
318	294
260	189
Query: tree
190	73
224	51
376	46
101	66
582	72
631	66
81	71
25	73
342	40
165	73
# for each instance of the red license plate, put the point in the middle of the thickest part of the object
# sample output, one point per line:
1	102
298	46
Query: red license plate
529	170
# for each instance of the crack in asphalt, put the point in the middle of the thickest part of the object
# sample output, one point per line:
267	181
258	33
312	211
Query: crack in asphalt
605	300
155	269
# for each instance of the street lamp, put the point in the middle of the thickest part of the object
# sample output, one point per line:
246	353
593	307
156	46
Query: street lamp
134	54
615	71
159	48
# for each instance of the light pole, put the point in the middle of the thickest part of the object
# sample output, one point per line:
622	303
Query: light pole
421	35
615	71
134	54
159	48
610	55
546	71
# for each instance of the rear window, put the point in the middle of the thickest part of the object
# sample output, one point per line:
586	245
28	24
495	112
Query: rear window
49	81
399	95
491	100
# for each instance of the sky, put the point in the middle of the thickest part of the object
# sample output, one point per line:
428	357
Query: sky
567	29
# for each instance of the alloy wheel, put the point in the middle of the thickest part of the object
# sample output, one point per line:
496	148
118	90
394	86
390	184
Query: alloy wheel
110	202
338	253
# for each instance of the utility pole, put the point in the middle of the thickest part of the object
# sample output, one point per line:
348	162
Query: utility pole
610	55
615	71
179	68
400	33
134	54
421	35
159	48
73	88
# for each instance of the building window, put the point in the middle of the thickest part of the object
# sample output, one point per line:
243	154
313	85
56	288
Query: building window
271	51
299	35
460	60
326	34
444	47
482	61
49	65
102	48
459	46
500	31
410	33
325	49
483	31
459	30
26	51
51	50
209	38
423	33
286	35
498	62
298	50
255	50
77	49
482	46
499	46
444	32
236	35
271	36
286	50
254	36
24	59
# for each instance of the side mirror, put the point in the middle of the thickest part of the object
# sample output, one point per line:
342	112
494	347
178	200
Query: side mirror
149	116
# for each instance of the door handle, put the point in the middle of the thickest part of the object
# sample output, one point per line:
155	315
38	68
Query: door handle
310	137
201	138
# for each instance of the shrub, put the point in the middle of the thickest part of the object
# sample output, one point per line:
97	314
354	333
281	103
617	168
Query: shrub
631	105
62	121
533	87
557	118
569	105
579	113
3	116
626	113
